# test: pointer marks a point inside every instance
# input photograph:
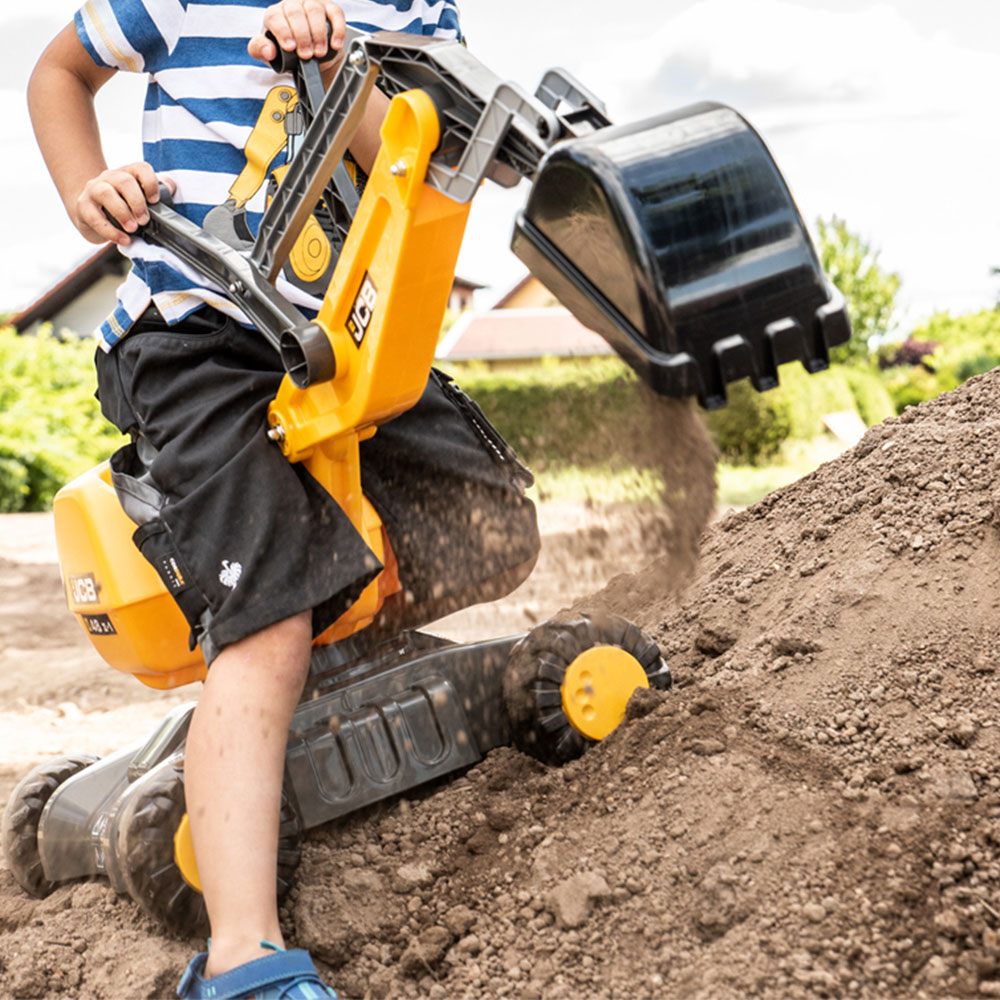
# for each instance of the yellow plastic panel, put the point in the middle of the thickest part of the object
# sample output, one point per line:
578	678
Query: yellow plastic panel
389	291
117	597
382	315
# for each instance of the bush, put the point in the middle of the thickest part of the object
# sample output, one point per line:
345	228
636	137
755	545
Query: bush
51	429
871	398
751	427
754	426
967	345
870	291
561	412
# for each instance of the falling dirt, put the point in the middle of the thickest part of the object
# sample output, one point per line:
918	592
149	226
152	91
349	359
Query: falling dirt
813	810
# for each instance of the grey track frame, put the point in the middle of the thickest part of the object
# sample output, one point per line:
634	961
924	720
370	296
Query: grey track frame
417	708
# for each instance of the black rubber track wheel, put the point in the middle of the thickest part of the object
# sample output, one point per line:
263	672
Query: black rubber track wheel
146	852
533	679
22	815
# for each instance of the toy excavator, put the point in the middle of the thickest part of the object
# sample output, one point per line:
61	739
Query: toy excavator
675	238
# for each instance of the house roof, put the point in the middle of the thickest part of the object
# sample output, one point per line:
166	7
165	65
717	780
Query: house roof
513	334
107	260
473	286
512	291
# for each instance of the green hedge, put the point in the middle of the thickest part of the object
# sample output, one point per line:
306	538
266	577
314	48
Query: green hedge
561	412
871	397
556	414
51	428
590	413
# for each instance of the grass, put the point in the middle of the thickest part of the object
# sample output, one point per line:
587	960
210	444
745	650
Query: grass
742	485
597	485
738	485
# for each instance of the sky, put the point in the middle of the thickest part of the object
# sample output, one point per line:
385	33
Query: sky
883	113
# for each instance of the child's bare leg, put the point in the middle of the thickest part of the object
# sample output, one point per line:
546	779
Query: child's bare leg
233	769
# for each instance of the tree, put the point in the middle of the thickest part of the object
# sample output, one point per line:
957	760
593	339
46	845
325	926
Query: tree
853	266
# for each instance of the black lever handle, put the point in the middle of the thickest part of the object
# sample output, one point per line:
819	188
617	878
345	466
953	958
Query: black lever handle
286	62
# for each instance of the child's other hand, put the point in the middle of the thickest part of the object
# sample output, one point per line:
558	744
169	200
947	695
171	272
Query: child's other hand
121	193
299	26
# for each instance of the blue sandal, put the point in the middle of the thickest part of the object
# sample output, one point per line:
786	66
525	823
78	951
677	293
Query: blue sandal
285	975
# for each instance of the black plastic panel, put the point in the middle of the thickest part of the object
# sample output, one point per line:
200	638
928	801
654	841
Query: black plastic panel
677	239
396	719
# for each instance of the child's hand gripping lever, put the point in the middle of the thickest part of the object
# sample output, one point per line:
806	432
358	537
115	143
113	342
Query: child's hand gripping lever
166	198
308	70
304	348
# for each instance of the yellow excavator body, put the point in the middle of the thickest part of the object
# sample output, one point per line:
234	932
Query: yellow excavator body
382	314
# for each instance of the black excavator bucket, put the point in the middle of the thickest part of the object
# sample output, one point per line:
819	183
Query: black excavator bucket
677	239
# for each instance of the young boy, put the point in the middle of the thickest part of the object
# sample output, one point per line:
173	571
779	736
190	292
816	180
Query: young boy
181	372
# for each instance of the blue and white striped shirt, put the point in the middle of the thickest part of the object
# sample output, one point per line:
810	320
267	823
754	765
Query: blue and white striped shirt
204	98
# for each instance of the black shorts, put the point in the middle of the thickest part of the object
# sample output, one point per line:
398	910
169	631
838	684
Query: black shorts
242	538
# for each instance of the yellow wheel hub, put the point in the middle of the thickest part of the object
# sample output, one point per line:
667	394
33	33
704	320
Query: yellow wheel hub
597	687
184	854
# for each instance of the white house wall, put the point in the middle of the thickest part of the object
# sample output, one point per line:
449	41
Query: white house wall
88	310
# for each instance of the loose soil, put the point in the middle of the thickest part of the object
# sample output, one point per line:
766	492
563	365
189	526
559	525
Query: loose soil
813	810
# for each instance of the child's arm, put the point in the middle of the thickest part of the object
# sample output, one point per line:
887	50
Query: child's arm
301	26
61	103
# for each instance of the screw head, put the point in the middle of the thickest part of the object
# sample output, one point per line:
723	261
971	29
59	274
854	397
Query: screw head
357	57
398	169
277	434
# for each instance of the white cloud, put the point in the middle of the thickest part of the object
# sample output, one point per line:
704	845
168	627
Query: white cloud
775	53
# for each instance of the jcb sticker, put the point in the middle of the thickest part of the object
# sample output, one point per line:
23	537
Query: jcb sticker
99	625
83	588
362	310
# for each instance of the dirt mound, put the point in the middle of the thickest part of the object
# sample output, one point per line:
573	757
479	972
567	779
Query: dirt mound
814	810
